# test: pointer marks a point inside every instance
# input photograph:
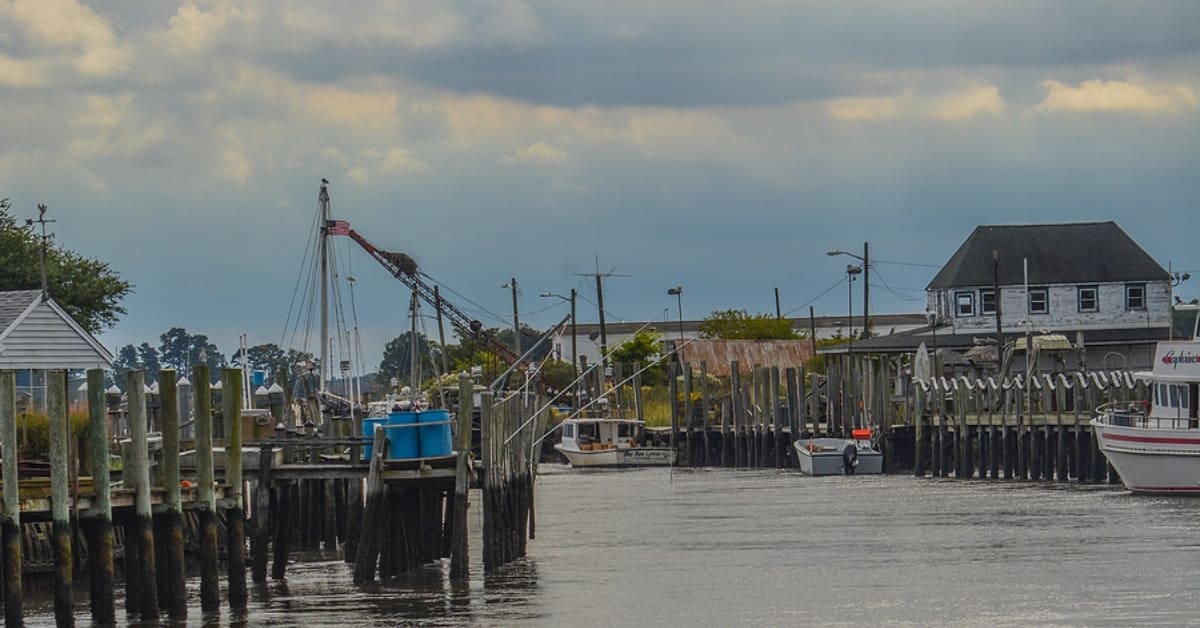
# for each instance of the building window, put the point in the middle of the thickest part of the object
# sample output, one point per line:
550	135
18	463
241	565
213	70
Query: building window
1039	301
987	301
964	304
1087	299
1135	296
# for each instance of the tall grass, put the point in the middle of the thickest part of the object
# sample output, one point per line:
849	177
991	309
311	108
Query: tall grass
33	432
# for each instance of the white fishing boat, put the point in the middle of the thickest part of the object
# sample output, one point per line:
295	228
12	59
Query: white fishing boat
839	456
604	442
1155	445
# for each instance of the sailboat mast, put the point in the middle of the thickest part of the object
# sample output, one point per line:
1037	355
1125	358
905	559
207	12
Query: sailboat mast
323	198
414	357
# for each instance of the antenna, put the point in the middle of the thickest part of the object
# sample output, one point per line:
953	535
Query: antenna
600	305
41	219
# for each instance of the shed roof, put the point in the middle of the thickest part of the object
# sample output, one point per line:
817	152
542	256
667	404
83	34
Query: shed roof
13	304
719	354
1081	252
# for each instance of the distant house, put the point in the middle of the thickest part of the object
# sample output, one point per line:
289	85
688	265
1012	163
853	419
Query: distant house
1089	282
1081	276
36	335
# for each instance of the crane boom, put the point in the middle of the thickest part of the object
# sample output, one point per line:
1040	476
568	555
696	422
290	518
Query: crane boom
404	268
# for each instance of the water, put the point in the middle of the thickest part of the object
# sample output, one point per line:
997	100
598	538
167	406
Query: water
724	547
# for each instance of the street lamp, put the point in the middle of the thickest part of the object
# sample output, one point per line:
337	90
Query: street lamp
516	317
574	353
1176	279
865	258
851	271
678	292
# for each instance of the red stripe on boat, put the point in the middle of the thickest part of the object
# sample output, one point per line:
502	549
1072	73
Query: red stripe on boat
1153	439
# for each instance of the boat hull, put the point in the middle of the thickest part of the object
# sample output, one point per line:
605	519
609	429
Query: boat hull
1152	461
830	462
626	457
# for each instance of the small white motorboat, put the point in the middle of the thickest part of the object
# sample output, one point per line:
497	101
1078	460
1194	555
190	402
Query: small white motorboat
603	442
839	456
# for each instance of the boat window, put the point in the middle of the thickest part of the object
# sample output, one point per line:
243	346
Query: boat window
1162	395
569	431
587	429
1174	396
1183	397
623	430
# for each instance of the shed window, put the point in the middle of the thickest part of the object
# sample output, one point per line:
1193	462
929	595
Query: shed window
964	304
1135	296
1088	299
987	301
1039	301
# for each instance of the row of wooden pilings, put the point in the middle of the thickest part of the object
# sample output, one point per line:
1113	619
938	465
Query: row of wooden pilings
403	524
153	557
1035	428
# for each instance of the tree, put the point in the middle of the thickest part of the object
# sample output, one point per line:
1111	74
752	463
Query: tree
265	357
397	358
87	289
557	375
180	350
148	356
640	351
739	325
126	359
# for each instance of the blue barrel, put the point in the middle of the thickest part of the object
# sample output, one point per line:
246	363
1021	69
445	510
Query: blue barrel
402	435
368	427
435	433
259	377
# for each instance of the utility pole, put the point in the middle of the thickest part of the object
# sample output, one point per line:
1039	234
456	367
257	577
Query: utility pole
516	316
600	305
41	219
866	289
778	313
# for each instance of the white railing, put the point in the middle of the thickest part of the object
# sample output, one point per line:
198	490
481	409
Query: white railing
1133	414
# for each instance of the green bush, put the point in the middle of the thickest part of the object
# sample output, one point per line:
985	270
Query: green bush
33	433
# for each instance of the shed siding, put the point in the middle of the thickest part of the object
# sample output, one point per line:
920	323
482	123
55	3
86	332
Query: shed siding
44	341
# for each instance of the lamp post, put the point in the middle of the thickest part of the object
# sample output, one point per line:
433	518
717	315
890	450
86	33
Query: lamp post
865	258
851	271
1176	279
574	353
516	317
678	292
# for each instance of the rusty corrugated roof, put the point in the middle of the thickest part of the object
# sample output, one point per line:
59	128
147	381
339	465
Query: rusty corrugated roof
718	354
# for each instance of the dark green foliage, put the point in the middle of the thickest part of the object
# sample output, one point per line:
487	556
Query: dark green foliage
397	358
639	351
86	288
739	325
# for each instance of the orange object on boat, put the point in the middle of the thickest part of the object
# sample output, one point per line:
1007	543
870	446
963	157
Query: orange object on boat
861	434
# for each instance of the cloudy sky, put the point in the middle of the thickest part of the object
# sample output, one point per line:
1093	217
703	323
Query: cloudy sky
721	146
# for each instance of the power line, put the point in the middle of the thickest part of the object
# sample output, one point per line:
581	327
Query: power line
884	261
814	299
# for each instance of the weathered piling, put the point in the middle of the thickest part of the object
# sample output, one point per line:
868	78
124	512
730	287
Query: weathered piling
60	434
459	551
210	594
235	516
261	535
735	395
705	405
172	580
373	530
282	519
10	510
144	596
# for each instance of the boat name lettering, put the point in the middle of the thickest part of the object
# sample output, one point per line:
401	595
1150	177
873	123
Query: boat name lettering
1172	359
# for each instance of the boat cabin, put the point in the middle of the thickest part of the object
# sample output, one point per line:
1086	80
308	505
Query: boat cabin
600	434
1175	385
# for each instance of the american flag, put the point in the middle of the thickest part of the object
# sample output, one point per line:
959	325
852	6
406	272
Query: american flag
337	227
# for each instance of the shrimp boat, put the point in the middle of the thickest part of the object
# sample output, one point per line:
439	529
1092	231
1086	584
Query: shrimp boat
606	442
839	456
1155	445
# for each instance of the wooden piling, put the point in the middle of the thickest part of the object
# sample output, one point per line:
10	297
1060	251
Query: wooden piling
260	536
235	515
673	395
705	405
173	587
210	596
282	519
146	591
777	419
459	550
735	398
689	445
60	434
369	540
10	509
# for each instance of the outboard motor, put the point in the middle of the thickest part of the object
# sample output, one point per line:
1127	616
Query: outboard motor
849	457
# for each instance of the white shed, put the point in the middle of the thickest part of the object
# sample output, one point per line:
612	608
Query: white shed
36	335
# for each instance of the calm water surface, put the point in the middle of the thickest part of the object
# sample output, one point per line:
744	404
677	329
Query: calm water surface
725	547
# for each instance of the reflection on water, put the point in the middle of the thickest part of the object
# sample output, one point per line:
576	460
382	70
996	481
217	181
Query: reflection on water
726	547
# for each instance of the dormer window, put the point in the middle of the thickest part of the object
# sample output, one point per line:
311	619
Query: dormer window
964	304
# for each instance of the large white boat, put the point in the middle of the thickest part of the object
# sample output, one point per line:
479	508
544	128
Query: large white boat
839	456
1155	445
603	442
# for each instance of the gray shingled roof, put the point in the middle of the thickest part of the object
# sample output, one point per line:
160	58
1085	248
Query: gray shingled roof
1083	252
13	303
